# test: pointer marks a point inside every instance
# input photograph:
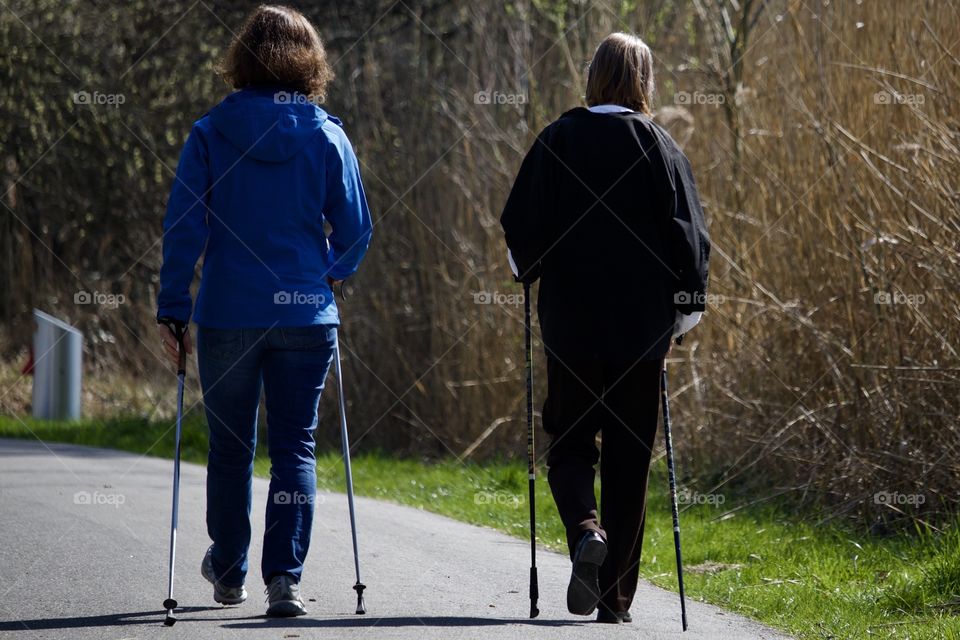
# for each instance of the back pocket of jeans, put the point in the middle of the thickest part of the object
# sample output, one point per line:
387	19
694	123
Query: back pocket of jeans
221	343
317	336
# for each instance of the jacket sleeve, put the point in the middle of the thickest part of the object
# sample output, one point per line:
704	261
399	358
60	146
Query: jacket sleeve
525	214
185	229
346	210
687	238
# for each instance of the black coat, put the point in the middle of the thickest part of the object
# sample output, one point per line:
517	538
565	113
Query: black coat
605	212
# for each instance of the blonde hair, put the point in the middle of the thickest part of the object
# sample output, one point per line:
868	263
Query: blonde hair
621	73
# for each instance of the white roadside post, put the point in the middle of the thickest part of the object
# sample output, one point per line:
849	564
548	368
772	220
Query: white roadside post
57	369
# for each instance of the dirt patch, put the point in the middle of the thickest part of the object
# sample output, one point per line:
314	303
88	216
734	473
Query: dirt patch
710	567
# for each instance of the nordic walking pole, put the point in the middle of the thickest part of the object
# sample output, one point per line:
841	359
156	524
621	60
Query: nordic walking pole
179	332
673	490
359	587
531	453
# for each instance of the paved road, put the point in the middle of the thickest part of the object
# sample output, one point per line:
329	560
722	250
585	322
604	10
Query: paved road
98	570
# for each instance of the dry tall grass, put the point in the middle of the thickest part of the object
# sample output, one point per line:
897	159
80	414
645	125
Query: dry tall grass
831	366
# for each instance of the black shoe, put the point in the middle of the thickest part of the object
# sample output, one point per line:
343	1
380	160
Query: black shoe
606	616
609	617
583	593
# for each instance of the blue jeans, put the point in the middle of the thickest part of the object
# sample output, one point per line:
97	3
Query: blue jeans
290	365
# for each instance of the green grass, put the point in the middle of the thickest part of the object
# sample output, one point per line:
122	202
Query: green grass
774	566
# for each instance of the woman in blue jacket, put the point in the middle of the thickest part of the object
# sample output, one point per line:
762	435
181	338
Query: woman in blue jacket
259	178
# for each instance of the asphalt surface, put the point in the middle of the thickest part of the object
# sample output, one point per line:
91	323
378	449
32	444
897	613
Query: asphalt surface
83	554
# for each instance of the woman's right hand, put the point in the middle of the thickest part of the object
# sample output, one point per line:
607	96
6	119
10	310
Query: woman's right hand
169	342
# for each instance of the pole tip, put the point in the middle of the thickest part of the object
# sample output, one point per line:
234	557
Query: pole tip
361	606
534	612
169	604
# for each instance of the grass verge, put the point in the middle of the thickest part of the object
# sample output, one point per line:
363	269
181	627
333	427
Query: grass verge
777	567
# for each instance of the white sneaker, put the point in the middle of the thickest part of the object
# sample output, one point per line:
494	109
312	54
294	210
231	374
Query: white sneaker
283	593
221	593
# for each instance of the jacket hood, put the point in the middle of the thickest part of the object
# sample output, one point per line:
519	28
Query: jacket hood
270	124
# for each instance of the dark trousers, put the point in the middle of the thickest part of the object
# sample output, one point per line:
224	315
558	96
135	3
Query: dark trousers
621	402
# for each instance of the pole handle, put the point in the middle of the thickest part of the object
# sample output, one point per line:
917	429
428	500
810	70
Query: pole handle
179	330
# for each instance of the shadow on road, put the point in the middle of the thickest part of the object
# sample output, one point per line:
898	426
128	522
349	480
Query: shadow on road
109	620
262	622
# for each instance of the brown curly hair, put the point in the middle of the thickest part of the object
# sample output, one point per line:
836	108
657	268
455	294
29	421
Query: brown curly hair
277	45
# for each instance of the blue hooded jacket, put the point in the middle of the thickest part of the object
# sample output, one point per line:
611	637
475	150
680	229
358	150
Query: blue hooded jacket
259	176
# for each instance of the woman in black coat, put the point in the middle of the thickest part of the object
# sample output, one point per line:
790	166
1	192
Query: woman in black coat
605	213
